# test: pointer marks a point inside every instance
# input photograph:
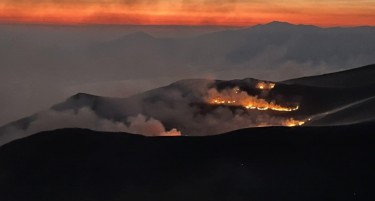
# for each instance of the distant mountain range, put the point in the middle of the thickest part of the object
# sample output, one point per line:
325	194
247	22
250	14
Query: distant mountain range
262	48
340	98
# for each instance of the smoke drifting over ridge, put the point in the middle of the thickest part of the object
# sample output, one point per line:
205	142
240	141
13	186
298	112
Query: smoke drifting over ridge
199	107
54	60
87	118
184	107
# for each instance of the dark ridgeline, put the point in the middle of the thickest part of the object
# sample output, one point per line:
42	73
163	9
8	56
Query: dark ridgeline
351	92
302	163
275	163
357	77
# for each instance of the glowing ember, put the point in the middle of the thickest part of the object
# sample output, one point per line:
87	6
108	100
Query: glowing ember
292	122
236	97
265	85
173	132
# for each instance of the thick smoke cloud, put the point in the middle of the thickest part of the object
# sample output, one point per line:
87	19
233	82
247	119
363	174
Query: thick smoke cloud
180	106
87	118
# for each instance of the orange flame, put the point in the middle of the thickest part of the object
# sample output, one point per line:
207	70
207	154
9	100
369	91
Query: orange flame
265	85
292	122
236	97
174	132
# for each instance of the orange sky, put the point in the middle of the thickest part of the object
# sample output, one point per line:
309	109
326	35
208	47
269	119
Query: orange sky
189	12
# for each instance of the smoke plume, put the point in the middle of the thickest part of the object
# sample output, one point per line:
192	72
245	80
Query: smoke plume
87	118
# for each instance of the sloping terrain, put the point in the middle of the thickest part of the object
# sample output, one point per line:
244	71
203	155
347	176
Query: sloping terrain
348	79
187	107
276	163
361	111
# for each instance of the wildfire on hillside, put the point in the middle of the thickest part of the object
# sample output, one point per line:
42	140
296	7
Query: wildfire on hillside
292	122
239	98
265	85
236	97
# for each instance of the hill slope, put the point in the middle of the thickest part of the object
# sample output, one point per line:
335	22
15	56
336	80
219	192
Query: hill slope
306	163
350	78
185	105
361	111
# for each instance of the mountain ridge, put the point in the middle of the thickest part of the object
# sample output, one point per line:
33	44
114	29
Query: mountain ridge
358	77
183	105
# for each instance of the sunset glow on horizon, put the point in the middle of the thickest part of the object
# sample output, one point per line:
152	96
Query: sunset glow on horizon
189	12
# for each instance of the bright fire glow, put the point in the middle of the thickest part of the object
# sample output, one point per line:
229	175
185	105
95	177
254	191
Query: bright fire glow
292	122
265	85
236	97
174	132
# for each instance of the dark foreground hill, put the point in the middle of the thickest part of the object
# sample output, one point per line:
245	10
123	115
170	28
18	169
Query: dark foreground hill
275	163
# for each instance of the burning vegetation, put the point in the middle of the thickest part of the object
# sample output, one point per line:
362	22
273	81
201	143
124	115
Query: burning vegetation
265	85
236	97
239	98
292	122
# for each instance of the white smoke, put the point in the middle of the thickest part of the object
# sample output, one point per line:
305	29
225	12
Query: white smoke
184	105
65	59
149	127
87	118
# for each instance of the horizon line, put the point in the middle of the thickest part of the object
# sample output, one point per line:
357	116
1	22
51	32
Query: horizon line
86	24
